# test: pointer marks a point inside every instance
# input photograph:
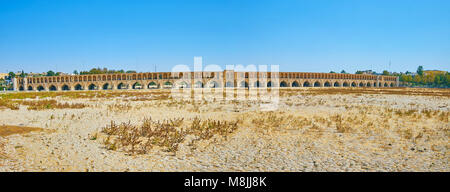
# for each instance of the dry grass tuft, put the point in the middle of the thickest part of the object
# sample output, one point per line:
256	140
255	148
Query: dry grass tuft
167	134
51	104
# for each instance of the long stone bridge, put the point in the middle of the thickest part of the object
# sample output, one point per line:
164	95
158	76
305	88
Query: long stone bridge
159	80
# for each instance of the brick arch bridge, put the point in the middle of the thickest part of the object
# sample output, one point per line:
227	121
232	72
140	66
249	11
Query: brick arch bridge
161	80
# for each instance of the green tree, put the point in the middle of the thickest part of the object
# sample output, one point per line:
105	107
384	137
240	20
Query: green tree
420	70
11	75
343	71
51	73
75	72
332	72
358	72
385	72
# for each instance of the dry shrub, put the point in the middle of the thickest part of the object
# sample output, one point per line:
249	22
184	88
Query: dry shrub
7	103
206	129
2	150
341	126
117	107
167	134
276	121
51	104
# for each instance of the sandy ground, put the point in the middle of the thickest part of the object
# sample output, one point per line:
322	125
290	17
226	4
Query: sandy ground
308	132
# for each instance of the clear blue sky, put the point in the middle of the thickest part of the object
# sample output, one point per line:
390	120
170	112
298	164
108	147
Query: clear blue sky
299	35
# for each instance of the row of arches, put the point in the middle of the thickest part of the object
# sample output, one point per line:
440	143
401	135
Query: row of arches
199	84
337	84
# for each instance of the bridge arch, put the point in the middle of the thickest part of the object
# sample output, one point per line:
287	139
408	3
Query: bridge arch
122	86
198	84
78	87
52	88
152	85
283	84
327	84
229	84
65	87
106	86
137	85
182	85
368	84
345	84
92	86
317	84
336	84
168	84
30	88
295	84
353	84
361	84
40	88
21	88
386	85
257	84
306	84
213	84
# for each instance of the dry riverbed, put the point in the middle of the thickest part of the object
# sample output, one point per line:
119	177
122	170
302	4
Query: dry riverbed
312	129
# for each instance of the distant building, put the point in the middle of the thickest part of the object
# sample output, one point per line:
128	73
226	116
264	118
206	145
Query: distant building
366	72
3	75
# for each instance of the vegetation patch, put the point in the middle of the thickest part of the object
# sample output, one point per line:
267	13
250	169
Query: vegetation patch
167	134
6	130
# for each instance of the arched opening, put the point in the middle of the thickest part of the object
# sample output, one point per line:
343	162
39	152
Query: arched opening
167	84
369	85
40	88
78	87
327	84
65	88
256	84
152	85
106	86
295	84
52	88
353	84
229	84
361	84
122	86
336	84
385	84
30	88
345	84
269	84
214	84
379	84
392	84
243	84
21	88
198	84
375	84
137	85
183	85
92	87
306	84
283	84
316	84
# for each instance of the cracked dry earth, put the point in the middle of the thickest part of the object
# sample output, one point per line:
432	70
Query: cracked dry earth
309	131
